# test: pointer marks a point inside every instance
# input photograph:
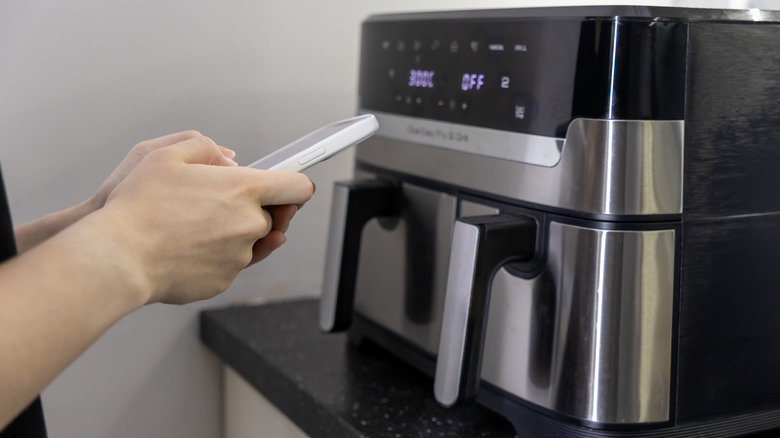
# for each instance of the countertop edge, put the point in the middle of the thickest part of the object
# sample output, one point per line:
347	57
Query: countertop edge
299	407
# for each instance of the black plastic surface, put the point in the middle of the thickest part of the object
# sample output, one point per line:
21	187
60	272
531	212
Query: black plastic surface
365	199
525	75
501	239
730	295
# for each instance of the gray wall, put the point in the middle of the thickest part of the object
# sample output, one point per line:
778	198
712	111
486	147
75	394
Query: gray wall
82	81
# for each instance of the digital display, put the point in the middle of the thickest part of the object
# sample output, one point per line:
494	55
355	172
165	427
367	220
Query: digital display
472	81
421	78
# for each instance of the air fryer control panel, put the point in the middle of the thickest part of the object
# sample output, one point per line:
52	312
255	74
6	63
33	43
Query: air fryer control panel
476	74
525	75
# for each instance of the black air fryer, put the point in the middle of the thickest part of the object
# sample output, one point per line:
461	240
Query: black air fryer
571	216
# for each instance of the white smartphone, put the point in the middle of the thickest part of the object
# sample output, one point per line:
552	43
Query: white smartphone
319	145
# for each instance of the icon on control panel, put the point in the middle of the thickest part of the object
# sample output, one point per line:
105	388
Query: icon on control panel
520	112
524	108
521	48
495	48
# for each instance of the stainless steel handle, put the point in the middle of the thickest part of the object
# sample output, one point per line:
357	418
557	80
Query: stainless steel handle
480	246
354	203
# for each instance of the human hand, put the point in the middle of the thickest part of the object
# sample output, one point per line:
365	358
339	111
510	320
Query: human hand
33	233
281	215
192	222
136	154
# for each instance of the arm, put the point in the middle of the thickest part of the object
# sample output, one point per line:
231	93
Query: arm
33	233
177	229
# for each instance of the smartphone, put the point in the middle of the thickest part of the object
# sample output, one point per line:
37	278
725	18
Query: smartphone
319	145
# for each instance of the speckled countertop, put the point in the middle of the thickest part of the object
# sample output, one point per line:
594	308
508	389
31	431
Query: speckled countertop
331	389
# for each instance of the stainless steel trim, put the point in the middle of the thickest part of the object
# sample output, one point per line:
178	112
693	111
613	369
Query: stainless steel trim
591	336
338	223
460	278
607	167
468	208
504	145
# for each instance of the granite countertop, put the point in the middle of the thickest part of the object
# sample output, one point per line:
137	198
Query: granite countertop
330	388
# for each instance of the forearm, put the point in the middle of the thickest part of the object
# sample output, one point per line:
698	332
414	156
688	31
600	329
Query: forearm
57	299
34	233
178	228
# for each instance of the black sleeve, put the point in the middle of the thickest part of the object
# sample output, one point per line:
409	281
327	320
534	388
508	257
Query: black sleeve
30	423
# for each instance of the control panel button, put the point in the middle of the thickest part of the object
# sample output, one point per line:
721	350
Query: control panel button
495	47
523	109
311	155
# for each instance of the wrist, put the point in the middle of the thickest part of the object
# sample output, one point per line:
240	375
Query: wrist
92	204
120	253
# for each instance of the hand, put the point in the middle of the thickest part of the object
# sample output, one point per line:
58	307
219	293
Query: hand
33	233
178	222
193	222
281	215
136	154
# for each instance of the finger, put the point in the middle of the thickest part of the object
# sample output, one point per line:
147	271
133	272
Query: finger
282	215
269	221
313	191
201	150
171	139
229	153
265	246
282	188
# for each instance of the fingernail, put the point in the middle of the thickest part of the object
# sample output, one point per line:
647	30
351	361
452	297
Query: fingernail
313	187
229	153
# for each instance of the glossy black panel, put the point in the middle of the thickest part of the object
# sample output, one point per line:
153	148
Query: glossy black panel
531	75
502	75
631	70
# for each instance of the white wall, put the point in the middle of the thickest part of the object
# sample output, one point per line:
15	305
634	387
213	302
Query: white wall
83	80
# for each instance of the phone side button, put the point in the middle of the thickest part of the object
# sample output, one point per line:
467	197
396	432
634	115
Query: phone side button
311	155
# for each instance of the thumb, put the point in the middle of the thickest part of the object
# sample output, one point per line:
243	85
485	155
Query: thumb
203	150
